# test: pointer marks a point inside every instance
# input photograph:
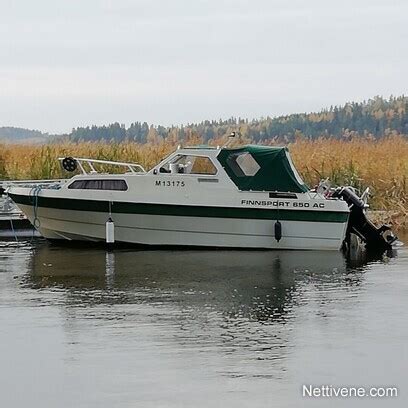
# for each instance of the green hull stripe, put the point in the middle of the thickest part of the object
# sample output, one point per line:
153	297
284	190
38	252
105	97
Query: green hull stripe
184	210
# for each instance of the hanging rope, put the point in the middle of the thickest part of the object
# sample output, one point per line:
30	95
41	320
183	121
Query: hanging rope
12	229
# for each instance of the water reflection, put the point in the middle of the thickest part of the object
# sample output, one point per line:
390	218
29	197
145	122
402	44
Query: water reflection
197	317
263	286
239	307
242	303
260	285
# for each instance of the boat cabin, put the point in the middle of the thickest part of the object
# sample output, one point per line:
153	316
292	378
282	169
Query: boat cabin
251	168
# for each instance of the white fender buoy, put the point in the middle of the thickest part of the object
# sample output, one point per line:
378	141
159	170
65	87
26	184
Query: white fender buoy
110	231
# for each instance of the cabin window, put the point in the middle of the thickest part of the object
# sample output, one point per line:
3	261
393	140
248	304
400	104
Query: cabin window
115	185
245	165
187	164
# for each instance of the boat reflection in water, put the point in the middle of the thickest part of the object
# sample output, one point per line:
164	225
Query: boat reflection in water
236	301
230	326
261	285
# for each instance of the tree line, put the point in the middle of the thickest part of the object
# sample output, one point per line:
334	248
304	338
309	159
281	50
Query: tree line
376	117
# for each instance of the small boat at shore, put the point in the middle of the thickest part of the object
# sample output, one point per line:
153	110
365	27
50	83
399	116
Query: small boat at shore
13	222
245	197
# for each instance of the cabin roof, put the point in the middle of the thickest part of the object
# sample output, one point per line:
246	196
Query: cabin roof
261	168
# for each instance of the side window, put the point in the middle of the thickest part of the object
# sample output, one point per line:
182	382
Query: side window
115	185
244	164
203	165
185	164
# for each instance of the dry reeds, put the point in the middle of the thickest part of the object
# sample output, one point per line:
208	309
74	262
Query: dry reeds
381	164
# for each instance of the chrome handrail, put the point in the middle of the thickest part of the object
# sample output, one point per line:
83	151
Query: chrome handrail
4	184
132	167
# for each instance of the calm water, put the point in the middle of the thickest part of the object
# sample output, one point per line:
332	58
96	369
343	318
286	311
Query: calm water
86	328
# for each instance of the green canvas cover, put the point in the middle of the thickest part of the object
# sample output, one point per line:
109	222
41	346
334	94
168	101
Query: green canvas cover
276	172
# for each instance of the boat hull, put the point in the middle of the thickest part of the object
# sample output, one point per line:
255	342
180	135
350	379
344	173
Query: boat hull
162	228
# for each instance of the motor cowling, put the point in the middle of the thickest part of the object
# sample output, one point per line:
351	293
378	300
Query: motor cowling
348	194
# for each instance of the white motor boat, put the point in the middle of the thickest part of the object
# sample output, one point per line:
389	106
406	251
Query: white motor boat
246	197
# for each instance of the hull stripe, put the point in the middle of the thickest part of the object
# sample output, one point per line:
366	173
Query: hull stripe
183	210
118	226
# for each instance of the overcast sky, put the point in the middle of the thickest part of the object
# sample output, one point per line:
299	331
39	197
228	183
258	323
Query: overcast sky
68	63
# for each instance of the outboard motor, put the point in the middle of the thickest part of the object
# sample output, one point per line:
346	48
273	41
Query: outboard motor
375	238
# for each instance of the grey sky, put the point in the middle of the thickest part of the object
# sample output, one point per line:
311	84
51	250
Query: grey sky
67	63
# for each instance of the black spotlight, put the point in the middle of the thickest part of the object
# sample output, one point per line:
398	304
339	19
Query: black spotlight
69	164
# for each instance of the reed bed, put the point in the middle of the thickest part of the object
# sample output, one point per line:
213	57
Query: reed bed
380	164
383	164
